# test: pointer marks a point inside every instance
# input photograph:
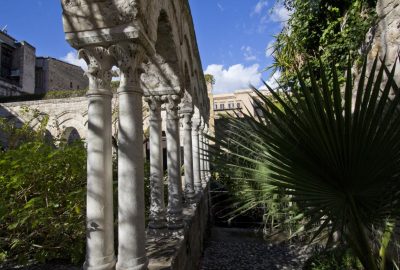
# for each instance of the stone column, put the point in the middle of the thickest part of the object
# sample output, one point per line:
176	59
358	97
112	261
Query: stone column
196	156
188	156
131	216
207	155
208	160
175	216
157	219
100	253
202	156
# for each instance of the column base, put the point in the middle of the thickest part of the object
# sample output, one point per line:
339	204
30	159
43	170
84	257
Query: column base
204	182
198	188
175	221
133	264
190	196
106	263
157	224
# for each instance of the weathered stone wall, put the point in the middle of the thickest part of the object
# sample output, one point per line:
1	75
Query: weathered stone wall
384	37
63	113
64	76
27	67
183	249
8	89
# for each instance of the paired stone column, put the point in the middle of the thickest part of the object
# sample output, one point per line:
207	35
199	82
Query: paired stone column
208	161
175	210
207	155
157	219
186	111
188	156
202	154
131	215
196	155
100	253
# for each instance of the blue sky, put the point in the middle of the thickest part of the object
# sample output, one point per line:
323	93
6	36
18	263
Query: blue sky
233	35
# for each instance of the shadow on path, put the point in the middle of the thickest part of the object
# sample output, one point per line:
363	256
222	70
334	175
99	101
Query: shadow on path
242	249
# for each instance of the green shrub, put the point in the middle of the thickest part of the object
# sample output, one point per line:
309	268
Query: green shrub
334	259
42	202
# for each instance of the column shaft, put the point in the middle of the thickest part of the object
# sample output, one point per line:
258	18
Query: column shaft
188	156
157	219
196	160
131	216
100	219
202	159
175	217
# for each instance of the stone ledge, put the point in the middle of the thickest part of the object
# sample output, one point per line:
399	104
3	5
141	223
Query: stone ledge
181	249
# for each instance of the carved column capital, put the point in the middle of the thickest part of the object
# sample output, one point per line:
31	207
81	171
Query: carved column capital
154	103
171	105
128	57
99	69
187	120
201	125
195	125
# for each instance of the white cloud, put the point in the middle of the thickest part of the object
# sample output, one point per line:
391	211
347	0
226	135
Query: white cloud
269	50
277	14
72	58
248	53
259	7
280	14
220	7
272	81
234	77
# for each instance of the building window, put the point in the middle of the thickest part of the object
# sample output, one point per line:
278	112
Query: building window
238	105
39	79
6	62
221	106
230	105
70	85
215	106
77	87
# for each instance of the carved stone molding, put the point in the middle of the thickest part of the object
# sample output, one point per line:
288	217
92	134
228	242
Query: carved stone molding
99	69
186	105
78	14
128	57
154	103
187	120
159	78
172	105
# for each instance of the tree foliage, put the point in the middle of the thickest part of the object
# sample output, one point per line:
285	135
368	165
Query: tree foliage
209	79
328	28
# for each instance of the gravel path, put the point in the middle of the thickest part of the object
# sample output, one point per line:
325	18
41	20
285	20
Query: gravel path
240	249
47	266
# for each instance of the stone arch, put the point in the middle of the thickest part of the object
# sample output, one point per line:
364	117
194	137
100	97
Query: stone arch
70	135
199	93
48	137
188	48
165	45
187	84
75	120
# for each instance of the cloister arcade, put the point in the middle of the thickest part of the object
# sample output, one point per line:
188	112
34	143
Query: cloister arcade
153	45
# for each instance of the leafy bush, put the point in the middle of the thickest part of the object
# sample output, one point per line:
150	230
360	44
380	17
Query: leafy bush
42	202
333	259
